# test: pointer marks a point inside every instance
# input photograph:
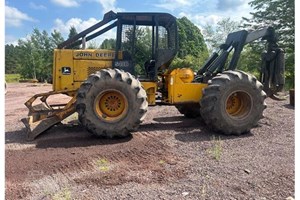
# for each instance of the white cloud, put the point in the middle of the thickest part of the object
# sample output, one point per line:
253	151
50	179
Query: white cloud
213	16
109	5
208	11
78	23
14	17
81	25
174	4
37	6
202	20
66	3
9	39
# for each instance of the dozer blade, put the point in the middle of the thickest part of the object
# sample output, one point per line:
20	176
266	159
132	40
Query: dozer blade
36	128
43	116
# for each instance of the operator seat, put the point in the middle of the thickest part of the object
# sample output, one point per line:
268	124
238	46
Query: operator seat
150	69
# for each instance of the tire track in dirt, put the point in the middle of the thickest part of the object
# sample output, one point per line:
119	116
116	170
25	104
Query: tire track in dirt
40	172
166	157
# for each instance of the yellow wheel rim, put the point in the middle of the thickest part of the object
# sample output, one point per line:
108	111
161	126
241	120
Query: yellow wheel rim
111	105
238	104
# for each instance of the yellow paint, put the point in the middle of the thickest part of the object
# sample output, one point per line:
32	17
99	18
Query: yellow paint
111	105
238	104
186	75
83	68
82	63
95	54
150	88
178	83
62	58
181	89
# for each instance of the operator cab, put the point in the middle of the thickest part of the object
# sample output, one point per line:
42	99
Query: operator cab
148	42
150	39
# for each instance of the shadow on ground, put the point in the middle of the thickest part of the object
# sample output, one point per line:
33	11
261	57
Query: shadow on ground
70	136
62	136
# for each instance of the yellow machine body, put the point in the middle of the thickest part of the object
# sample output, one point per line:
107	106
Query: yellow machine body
180	87
163	86
72	67
150	88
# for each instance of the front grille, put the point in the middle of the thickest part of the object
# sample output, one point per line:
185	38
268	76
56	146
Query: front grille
92	70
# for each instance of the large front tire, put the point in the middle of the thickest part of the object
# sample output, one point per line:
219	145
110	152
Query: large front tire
233	102
111	103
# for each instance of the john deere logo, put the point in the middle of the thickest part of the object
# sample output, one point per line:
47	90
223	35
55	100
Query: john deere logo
66	70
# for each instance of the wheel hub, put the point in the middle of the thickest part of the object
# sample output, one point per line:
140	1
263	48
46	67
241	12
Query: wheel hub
238	104
111	105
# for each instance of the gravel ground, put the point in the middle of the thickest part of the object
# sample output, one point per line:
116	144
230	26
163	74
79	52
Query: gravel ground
169	157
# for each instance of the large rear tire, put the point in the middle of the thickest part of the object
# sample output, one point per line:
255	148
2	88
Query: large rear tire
233	102
111	103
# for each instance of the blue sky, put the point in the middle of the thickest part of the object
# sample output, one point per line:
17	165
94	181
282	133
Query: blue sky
21	17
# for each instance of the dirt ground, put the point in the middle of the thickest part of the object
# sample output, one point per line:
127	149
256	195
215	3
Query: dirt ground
169	157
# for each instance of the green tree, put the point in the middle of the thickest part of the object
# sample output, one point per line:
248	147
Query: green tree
92	45
215	36
56	38
27	62
141	51
10	59
279	14
189	61
192	48
250	60
42	48
35	54
72	33
191	41
108	44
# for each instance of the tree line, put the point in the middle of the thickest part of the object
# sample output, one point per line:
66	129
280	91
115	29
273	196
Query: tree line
33	57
